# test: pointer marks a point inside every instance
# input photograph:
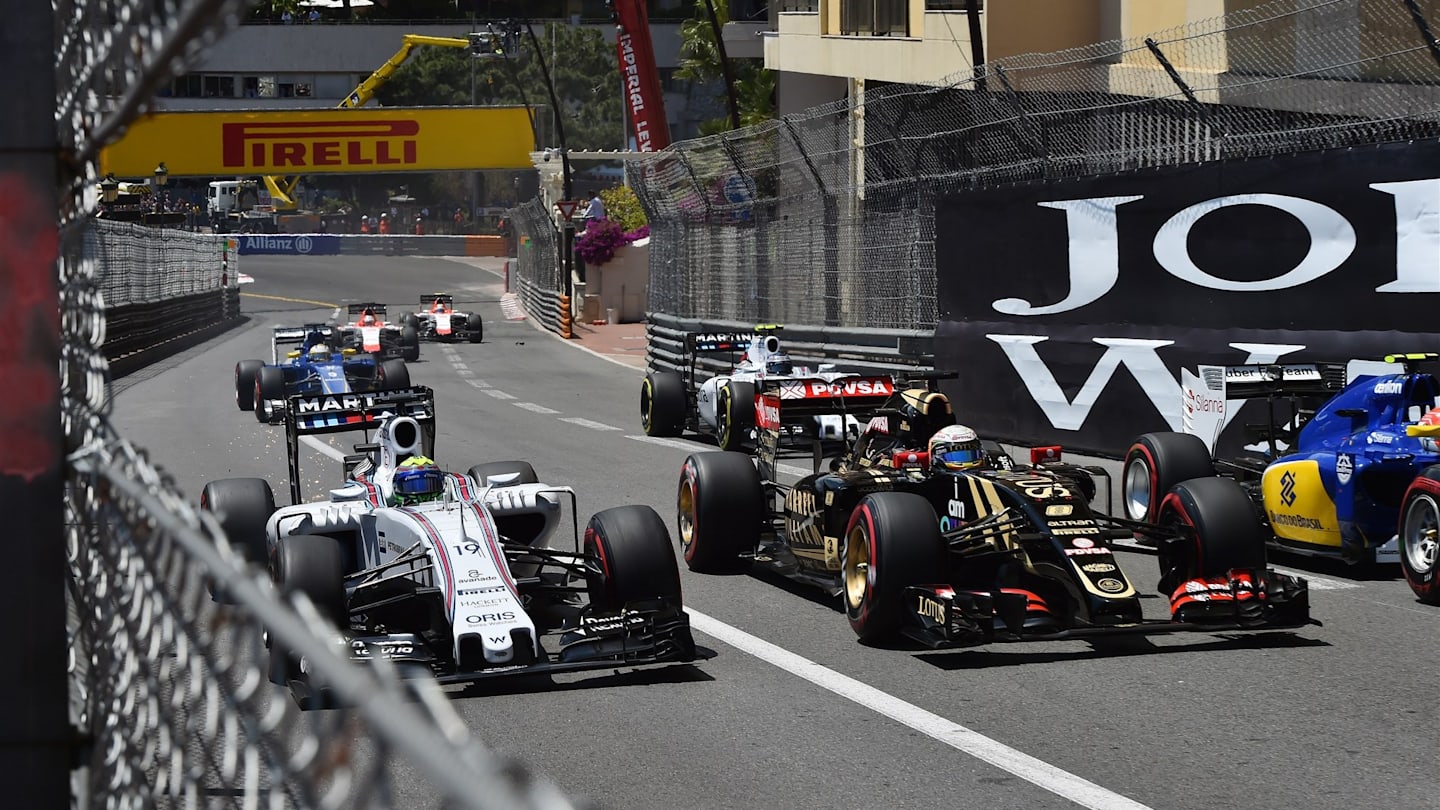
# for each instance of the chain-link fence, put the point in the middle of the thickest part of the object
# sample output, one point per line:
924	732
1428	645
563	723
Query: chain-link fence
540	280
826	217
169	697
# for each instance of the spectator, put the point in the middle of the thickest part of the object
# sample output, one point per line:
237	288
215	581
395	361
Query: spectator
459	221
314	15
286	17
419	225
364	224
596	209
384	224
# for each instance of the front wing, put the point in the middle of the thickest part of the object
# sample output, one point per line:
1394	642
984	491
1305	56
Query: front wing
939	616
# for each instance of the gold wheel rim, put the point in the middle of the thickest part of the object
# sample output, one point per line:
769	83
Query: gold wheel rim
647	404
725	411
687	514
857	567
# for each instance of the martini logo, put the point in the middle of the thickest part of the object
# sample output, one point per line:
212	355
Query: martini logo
346	403
301	144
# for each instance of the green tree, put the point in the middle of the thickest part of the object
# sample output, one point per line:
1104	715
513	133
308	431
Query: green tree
700	62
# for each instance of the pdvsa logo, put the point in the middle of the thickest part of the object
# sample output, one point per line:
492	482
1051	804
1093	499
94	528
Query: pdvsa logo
296	145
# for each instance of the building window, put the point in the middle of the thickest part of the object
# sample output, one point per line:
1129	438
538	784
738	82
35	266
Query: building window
219	86
952	5
880	18
266	86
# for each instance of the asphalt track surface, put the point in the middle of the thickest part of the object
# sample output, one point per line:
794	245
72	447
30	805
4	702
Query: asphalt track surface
793	712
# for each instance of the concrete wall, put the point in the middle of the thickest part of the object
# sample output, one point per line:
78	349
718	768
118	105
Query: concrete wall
621	283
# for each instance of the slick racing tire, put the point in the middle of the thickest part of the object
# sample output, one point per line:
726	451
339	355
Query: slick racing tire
735	414
1227	532
1155	463
245	372
269	386
663	403
392	375
892	542
312	565
504	474
410	342
1420	536
411	320
636	560
242	506
476	327
720	507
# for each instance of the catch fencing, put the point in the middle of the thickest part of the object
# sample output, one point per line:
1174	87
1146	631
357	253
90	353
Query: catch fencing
168	698
792	221
539	280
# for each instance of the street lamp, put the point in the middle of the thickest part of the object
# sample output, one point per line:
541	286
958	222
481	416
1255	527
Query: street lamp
162	177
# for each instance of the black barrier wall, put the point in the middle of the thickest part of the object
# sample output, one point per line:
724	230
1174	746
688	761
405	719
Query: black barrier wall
1069	307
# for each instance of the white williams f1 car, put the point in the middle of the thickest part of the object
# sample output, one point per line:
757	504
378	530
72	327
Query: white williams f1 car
457	573
673	401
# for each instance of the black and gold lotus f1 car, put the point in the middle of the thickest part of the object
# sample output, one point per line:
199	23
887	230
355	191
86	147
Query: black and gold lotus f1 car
999	552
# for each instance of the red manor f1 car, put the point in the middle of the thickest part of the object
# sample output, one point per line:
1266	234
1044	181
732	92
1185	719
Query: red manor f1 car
965	547
438	319
461	574
366	330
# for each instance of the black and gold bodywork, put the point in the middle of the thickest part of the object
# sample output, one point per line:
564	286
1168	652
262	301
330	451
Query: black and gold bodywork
1003	553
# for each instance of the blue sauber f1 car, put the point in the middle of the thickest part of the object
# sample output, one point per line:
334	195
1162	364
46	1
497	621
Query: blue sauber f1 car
1327	471
316	366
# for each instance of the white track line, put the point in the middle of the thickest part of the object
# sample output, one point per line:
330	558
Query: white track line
587	423
678	444
497	393
530	406
323	448
464	372
1037	772
479	383
459	366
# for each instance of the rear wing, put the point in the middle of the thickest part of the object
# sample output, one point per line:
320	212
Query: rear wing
1298	389
1288	379
294	336
717	342
782	402
338	413
355	310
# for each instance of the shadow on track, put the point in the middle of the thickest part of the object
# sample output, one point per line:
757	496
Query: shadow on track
599	679
1116	647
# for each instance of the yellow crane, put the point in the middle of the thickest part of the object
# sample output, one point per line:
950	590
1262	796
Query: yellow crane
282	189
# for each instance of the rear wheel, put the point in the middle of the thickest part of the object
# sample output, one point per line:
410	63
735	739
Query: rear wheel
242	506
663	403
636	559
269	387
735	414
245	372
392	375
720	506
504	473
892	542
1155	463
1227	534
1420	536
476	327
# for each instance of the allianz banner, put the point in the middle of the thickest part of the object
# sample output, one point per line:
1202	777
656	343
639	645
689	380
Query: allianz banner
288	244
1069	308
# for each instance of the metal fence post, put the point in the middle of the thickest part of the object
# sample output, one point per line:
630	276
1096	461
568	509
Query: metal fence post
35	735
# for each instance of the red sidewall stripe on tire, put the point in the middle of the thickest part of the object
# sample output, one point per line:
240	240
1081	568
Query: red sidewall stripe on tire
1173	501
688	475
864	513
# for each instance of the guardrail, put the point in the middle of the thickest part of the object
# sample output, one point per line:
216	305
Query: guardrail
876	351
540	304
140	334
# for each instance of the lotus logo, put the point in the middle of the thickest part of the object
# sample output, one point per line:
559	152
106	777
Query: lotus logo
1287	488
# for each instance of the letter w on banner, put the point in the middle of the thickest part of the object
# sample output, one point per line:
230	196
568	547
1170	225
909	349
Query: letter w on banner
643	98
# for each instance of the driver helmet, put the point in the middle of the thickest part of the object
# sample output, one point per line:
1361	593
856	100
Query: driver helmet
418	480
367	318
319	353
779	364
956	447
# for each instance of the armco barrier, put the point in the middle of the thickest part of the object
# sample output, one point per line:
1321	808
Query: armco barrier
879	351
542	305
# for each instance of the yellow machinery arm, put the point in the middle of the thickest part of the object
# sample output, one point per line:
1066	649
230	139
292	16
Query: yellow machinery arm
282	189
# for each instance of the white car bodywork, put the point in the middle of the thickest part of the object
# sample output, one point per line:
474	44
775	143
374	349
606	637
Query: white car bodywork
753	368
453	543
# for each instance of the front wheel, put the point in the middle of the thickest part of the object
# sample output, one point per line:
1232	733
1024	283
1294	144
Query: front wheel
410	342
636	560
242	506
892	542
312	565
245	372
1420	536
269	387
476	326
1227	534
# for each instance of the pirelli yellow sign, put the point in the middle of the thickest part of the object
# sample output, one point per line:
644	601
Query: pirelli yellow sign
336	141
